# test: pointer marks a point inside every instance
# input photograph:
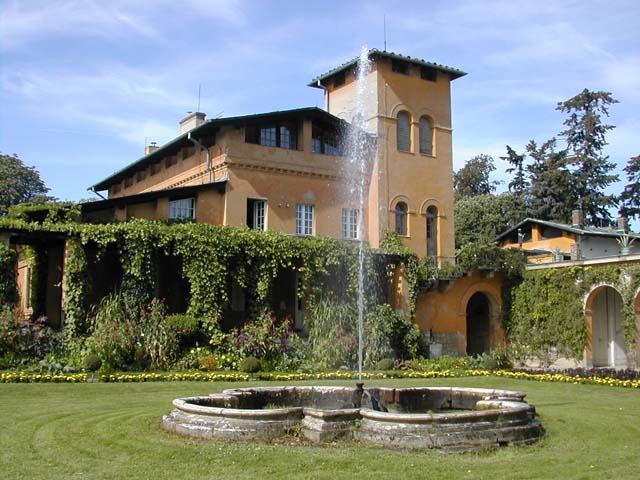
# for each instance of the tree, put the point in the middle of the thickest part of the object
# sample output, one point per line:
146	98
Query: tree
586	137
473	178
19	183
480	218
552	190
630	196
519	186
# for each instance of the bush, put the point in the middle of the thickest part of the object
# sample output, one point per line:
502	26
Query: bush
250	365
24	341
159	342
209	363
187	330
92	362
333	337
389	332
385	364
267	337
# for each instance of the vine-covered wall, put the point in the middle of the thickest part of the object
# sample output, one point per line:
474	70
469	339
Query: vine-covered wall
548	317
8	292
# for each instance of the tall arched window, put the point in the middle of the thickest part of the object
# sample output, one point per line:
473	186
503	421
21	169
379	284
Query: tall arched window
401	218
404	132
426	134
432	232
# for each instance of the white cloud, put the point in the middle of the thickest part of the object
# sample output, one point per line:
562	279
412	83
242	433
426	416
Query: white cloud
23	21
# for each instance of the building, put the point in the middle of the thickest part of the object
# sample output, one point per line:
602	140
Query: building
546	241
285	171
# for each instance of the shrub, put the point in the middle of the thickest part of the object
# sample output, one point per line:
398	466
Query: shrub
389	332
8	292
250	365
187	330
385	364
159	342
267	337
92	362
209	363
24	341
333	335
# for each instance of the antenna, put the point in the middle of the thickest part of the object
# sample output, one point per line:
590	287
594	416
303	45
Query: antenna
199	88
384	23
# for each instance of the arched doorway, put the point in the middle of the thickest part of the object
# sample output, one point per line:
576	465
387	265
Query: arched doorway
608	341
478	321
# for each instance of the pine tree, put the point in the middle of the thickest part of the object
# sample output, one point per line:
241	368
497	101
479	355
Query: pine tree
518	187
586	137
630	197
552	190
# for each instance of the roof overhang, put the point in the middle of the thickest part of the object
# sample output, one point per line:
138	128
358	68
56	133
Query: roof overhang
374	53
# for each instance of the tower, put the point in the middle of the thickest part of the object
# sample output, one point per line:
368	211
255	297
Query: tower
409	111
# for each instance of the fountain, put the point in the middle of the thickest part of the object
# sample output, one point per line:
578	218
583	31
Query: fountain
445	418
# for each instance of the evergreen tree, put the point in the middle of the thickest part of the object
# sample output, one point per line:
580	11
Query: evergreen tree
552	190
518	187
630	197
585	135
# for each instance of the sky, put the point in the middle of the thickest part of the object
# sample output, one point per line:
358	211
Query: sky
85	84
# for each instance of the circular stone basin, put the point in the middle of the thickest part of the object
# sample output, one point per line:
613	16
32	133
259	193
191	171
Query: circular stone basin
447	418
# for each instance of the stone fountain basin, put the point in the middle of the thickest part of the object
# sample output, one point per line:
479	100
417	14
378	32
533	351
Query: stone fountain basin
447	418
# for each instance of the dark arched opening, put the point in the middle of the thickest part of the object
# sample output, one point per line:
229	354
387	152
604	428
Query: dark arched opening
478	316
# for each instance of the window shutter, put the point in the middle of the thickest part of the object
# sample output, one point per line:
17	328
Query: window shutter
425	136
404	133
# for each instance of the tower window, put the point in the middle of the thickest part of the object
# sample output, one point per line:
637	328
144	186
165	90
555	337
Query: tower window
432	232
426	135
429	74
404	132
399	66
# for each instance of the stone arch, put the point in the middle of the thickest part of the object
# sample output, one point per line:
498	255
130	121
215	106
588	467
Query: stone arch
401	197
604	320
432	202
492	332
400	107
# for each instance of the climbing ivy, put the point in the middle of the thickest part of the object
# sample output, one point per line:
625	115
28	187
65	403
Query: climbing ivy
547	315
75	286
8	292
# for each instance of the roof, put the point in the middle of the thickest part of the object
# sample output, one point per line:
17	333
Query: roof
602	232
375	53
148	196
209	129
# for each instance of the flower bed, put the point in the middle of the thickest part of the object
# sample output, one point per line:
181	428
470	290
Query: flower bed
28	377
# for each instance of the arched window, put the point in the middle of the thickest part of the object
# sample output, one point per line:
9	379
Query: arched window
404	132
432	232
426	134
401	218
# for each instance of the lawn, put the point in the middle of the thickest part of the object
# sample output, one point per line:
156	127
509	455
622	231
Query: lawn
108	430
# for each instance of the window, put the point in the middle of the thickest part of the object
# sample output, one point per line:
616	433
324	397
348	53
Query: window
432	232
401	219
183	209
284	135
399	66
350	217
325	140
257	214
128	182
426	134
141	175
404	132
268	136
429	74
304	219
338	79
116	188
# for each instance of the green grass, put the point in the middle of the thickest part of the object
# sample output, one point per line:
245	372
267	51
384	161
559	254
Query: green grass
113	431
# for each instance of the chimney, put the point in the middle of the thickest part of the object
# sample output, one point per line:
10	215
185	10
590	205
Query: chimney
623	224
577	218
152	147
191	121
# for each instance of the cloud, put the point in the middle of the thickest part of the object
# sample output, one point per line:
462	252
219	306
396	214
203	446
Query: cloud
25	21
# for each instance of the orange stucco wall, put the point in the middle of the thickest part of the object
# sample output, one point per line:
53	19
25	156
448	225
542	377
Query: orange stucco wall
444	310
